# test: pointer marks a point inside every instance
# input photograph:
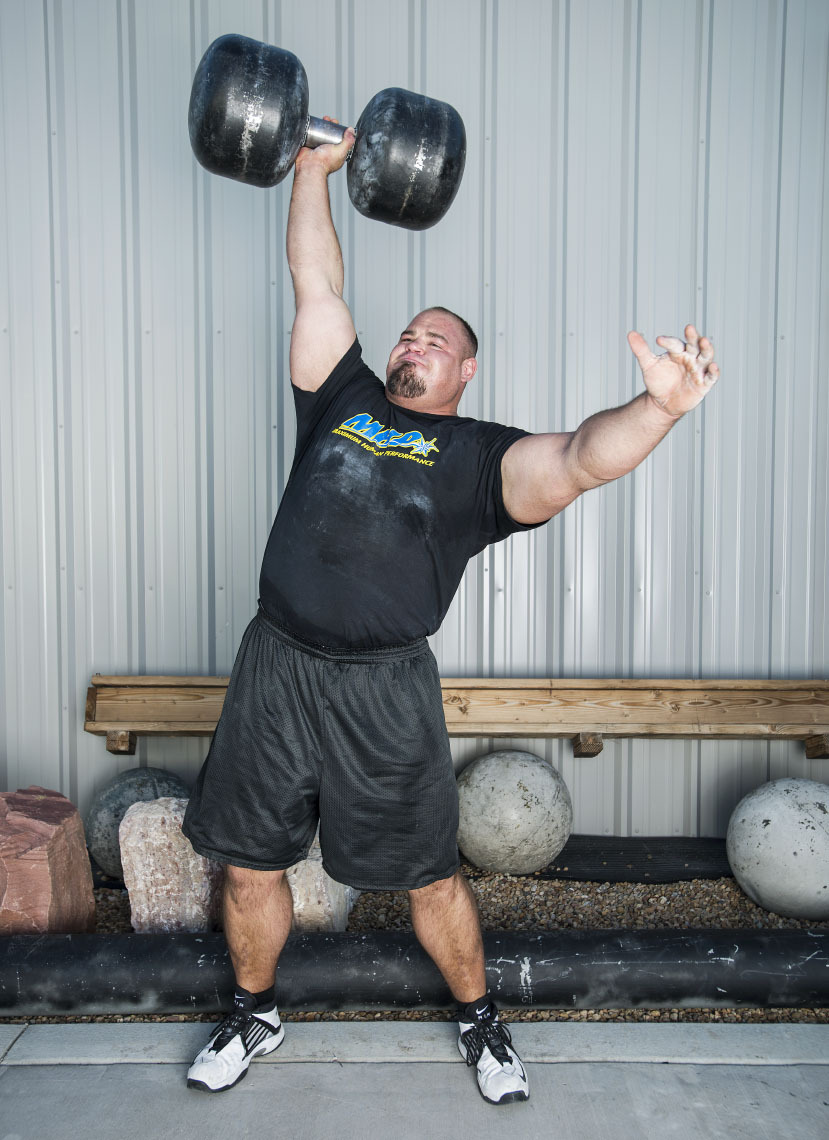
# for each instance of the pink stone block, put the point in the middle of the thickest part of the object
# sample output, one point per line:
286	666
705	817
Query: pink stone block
45	876
320	903
171	888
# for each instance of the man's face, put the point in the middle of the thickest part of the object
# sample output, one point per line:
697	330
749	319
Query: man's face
428	367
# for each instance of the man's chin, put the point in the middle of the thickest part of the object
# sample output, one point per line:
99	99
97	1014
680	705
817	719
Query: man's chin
405	382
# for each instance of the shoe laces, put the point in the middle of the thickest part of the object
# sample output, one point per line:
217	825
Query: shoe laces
492	1035
236	1022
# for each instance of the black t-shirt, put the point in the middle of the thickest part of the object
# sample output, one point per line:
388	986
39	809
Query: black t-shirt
383	509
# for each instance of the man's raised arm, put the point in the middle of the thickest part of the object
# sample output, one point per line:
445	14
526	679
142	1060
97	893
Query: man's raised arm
323	329
542	474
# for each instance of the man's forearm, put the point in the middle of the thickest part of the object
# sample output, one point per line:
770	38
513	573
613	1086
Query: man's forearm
314	254
611	443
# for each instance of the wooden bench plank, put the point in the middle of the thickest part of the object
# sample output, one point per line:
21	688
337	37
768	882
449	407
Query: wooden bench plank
196	707
583	709
102	681
546	683
589	708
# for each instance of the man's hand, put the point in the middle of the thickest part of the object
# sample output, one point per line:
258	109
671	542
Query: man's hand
329	156
679	379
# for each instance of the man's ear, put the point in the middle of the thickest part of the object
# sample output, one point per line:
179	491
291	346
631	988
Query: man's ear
468	369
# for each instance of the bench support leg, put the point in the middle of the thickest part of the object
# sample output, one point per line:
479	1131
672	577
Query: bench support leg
587	744
122	742
817	747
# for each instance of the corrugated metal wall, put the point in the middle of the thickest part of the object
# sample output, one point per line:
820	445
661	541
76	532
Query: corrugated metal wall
631	164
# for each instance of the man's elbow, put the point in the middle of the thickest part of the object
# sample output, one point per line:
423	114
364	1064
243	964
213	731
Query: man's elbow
588	471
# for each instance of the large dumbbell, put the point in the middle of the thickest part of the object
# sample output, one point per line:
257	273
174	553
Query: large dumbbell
249	117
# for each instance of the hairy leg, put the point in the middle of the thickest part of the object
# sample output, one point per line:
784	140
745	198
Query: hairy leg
445	920
258	909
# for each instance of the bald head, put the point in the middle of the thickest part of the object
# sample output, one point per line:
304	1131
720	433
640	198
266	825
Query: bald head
470	340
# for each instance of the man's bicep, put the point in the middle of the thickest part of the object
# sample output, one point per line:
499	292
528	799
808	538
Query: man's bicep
322	334
539	477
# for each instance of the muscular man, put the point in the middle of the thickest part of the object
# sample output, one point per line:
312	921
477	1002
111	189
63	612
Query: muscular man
333	712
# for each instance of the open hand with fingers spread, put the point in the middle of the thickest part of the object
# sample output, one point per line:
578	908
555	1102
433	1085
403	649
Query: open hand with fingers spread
680	378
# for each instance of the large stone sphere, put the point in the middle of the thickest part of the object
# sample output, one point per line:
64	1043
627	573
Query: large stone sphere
515	812
110	805
778	847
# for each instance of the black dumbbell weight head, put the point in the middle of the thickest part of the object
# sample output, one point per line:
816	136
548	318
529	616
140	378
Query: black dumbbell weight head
248	110
408	159
249	118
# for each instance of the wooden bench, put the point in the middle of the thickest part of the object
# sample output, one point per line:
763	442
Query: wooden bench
586	711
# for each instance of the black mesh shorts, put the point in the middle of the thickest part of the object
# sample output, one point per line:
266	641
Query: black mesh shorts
354	739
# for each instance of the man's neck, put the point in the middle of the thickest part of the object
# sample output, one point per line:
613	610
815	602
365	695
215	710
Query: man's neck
421	405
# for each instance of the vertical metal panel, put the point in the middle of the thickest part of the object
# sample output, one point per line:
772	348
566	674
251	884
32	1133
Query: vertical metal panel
667	290
613	182
86	186
737	530
29	613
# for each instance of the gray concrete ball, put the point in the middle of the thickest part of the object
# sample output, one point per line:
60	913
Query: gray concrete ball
515	813
778	847
109	807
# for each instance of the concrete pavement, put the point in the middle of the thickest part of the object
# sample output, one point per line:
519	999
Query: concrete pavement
588	1081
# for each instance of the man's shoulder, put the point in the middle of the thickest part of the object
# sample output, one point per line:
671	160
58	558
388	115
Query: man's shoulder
488	429
349	370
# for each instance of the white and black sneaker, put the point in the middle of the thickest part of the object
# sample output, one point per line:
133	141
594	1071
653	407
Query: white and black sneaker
232	1046
486	1043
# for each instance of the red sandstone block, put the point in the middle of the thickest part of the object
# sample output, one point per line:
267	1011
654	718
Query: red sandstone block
45	876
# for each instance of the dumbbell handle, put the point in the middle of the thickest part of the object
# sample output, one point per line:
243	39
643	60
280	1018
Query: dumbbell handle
320	131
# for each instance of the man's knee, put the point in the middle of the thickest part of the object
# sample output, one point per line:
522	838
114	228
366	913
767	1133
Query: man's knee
439	890
246	883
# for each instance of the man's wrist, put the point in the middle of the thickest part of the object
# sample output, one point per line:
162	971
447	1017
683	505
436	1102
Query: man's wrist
661	411
310	167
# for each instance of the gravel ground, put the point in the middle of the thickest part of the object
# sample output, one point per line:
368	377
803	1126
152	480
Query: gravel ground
528	903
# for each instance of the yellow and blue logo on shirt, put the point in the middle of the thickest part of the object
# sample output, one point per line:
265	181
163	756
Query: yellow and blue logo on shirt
381	441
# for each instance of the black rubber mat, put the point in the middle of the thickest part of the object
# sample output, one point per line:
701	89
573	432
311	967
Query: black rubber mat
624	859
604	859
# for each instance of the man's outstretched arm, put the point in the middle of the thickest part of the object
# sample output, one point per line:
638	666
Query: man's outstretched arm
323	329
542	474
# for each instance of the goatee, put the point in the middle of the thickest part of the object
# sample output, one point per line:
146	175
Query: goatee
404	381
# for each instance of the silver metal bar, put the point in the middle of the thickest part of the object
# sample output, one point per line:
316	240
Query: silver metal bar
321	131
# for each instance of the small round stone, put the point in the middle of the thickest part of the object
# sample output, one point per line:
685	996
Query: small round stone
515	813
778	847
